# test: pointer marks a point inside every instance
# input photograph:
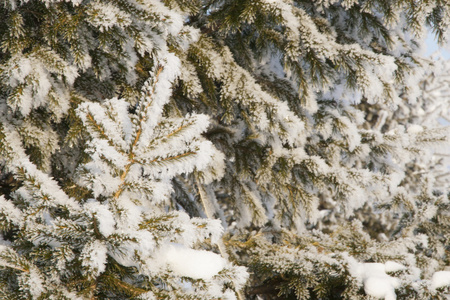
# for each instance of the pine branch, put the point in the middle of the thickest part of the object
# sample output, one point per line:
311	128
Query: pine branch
138	133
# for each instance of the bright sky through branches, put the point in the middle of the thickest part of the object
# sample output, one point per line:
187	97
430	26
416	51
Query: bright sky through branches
433	48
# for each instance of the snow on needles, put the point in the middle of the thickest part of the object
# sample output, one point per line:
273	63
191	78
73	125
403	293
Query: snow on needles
93	257
133	154
155	144
105	218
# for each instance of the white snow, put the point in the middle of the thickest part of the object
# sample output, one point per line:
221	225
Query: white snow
197	264
392	266
93	257
105	16
33	281
377	283
48	187
415	129
374	278
440	279
106	221
9	210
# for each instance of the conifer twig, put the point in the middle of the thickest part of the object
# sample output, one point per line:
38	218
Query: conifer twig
136	140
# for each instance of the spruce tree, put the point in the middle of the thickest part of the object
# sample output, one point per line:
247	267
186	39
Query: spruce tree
205	149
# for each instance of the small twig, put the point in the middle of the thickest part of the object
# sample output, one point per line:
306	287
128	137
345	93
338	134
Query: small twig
442	175
133	145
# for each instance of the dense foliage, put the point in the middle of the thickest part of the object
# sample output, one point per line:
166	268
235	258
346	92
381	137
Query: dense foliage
222	149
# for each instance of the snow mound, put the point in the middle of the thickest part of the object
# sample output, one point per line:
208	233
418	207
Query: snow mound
440	279
377	283
196	264
373	276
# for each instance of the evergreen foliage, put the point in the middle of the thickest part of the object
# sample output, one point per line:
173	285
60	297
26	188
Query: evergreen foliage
205	149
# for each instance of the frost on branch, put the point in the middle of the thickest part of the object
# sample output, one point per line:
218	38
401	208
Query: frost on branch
319	158
125	223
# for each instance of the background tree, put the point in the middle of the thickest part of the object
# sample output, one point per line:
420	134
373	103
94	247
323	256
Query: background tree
313	159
